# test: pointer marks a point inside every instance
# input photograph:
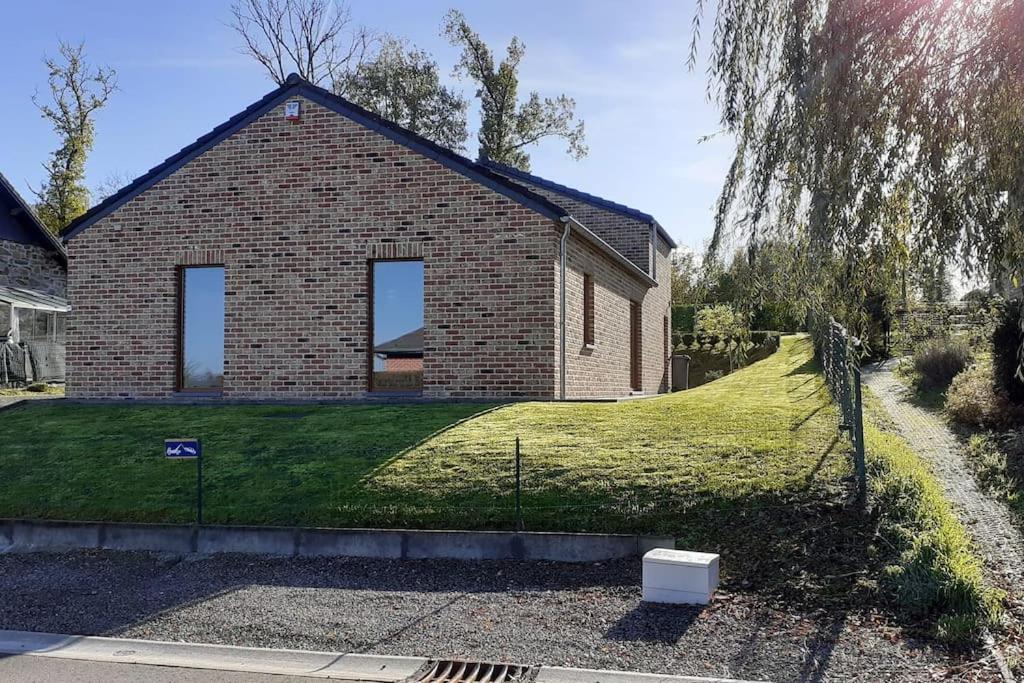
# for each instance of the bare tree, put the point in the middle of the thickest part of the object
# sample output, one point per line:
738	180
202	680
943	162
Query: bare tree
314	38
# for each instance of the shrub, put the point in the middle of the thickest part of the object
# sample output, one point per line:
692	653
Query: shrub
978	295
938	361
1006	341
720	321
712	375
973	400
682	317
723	323
38	387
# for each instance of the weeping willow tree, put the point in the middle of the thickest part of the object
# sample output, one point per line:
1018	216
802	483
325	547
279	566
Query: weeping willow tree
870	135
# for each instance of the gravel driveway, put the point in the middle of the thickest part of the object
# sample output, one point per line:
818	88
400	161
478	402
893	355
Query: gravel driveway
556	614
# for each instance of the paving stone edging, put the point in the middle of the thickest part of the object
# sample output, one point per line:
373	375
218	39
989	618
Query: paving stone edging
47	535
355	667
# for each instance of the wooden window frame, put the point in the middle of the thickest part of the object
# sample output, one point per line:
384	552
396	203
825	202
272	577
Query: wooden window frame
369	323
179	370
588	311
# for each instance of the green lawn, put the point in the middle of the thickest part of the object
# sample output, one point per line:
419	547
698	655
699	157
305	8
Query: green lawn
758	435
749	466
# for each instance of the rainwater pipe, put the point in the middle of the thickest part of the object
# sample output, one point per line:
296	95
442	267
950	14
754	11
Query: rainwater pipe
568	220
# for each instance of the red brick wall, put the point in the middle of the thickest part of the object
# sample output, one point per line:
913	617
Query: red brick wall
603	371
403	364
293	211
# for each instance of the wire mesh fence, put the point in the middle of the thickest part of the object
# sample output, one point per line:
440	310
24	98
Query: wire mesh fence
837	351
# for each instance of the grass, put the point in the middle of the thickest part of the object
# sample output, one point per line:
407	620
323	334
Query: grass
934	574
760	434
33	390
749	466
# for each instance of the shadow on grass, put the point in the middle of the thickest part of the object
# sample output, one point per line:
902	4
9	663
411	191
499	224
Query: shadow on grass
105	462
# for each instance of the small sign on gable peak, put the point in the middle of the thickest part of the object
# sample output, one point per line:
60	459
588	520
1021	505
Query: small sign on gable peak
292	110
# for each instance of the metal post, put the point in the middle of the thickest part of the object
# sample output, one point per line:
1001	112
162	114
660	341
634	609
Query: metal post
199	489
858	438
519	507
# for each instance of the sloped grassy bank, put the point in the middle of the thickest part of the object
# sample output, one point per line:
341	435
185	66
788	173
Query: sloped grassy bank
935	575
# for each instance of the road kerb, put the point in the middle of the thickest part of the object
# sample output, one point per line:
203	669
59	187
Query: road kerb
311	664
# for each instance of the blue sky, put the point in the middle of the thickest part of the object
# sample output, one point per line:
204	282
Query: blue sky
180	74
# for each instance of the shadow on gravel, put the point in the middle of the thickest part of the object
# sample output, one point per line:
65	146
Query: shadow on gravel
106	592
651	623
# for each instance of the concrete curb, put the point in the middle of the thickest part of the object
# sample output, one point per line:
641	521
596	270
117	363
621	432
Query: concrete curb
45	535
351	667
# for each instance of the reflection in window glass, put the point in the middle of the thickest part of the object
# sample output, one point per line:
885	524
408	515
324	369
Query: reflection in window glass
397	326
202	334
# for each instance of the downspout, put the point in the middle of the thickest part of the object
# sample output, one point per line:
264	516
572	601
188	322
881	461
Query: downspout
562	259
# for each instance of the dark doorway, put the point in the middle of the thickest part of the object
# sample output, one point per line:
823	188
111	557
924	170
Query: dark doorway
635	359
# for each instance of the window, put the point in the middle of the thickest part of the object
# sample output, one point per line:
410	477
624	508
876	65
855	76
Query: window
396	326
588	309
201	328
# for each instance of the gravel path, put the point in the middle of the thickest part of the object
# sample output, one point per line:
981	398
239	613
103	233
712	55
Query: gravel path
556	614
987	520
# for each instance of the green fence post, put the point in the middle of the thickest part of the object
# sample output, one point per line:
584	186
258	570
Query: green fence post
519	487
858	438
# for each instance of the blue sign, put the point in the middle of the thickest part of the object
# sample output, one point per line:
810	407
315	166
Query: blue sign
182	448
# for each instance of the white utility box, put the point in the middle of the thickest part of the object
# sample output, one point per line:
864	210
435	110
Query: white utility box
679	576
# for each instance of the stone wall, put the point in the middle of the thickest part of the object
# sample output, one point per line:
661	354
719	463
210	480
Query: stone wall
31	267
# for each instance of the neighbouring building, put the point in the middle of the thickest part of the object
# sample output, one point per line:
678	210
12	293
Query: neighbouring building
33	308
308	249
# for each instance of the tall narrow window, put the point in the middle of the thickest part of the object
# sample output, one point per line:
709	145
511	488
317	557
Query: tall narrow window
201	329
396	326
588	309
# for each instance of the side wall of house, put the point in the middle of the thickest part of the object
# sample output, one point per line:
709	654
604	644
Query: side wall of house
31	267
628	236
604	370
294	212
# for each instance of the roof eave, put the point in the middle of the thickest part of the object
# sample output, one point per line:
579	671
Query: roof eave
34	219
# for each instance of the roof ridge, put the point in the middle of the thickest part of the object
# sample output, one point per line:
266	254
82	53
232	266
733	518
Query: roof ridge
586	197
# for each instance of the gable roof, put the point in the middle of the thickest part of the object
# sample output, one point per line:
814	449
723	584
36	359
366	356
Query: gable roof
579	195
293	87
297	87
23	214
410	342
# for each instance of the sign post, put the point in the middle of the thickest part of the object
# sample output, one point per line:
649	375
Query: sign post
189	449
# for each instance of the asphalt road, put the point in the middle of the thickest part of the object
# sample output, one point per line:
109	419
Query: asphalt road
32	669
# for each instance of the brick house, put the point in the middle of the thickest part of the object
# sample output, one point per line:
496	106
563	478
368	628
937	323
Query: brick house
33	280
272	257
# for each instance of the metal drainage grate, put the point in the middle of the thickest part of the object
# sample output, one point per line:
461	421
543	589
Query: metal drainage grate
462	671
